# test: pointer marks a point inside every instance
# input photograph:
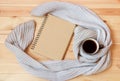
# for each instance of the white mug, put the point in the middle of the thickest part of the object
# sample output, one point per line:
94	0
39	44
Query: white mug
91	46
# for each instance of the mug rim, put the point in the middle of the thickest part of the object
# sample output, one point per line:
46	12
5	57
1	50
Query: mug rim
94	40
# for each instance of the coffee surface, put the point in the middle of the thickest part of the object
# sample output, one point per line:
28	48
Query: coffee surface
89	46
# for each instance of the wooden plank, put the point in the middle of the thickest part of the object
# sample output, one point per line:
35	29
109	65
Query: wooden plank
93	1
89	5
107	11
112	5
9	23
2	38
23	1
25	11
75	1
19	77
4	32
15	11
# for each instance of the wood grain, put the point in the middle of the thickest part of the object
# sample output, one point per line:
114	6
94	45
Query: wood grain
14	12
25	11
75	1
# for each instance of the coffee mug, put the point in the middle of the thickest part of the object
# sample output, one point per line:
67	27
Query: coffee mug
91	46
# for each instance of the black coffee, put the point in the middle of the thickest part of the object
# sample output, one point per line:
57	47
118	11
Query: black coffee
89	46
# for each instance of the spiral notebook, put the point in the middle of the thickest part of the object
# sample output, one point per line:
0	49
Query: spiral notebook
53	38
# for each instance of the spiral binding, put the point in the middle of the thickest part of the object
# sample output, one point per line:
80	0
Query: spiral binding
39	33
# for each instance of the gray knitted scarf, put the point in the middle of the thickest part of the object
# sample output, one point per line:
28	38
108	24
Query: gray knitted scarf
89	25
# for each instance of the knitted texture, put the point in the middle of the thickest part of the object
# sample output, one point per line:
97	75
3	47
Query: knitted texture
89	25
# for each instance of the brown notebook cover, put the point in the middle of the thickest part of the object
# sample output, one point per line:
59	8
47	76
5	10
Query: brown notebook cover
52	38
